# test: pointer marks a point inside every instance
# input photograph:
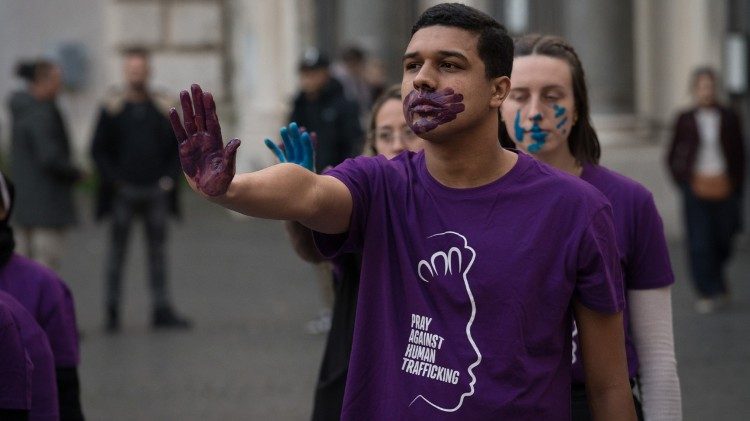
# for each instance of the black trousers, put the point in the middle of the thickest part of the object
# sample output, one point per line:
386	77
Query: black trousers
711	227
151	204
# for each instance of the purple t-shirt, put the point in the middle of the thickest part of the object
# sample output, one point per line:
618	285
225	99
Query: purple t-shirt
644	256
49	300
44	405
464	304
15	365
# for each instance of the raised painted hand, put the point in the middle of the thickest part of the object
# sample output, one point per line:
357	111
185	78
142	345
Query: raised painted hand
297	146
209	164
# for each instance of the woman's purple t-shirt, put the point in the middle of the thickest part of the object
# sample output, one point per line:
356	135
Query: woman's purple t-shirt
49	300
644	256
15	365
464	304
44	405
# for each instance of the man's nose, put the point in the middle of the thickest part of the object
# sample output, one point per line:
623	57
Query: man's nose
425	79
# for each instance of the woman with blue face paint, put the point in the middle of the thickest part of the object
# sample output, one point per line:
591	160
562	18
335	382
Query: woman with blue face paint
547	114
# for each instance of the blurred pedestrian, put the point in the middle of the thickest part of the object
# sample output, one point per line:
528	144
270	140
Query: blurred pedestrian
41	164
134	151
707	161
548	112
322	107
49	301
351	71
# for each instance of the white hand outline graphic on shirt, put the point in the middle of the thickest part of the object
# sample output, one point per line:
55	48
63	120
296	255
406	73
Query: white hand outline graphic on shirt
432	268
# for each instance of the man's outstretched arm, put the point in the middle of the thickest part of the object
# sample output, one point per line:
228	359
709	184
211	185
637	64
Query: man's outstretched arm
284	191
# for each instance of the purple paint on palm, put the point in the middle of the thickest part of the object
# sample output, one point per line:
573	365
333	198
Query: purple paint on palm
203	156
425	111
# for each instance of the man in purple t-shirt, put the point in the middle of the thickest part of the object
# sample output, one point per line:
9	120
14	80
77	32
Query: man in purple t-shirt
474	257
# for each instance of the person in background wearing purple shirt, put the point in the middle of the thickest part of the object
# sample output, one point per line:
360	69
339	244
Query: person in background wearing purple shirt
47	298
474	257
15	369
547	111
44	405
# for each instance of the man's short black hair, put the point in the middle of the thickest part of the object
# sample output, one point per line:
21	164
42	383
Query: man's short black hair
495	47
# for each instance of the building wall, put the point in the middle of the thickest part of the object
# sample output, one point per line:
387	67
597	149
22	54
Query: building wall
32	28
186	38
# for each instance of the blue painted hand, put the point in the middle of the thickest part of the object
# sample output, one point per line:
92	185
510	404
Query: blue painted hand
297	147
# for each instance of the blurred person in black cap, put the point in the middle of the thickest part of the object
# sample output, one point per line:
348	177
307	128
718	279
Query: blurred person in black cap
321	107
134	151
352	72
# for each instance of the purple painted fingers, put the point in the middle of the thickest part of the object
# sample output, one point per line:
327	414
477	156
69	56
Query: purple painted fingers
203	156
424	111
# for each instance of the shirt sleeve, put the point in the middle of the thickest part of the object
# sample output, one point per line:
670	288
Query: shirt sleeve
648	266
651	324
599	283
59	323
15	370
358	175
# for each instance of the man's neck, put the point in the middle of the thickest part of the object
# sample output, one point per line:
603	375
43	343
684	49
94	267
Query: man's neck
466	163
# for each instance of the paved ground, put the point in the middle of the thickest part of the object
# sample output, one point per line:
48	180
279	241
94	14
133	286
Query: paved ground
249	357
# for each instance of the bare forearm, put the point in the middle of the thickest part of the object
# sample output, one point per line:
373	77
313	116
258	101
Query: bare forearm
612	402
282	191
602	341
290	192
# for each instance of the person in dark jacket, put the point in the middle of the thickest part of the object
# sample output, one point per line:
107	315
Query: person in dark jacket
321	107
41	164
707	161
135	154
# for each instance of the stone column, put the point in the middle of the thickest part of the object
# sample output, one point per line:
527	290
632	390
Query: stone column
265	49
602	34
667	52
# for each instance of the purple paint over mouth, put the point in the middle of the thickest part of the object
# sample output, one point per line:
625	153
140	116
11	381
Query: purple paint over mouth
425	111
203	156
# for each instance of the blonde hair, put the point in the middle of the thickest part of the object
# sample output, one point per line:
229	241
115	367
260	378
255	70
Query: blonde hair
393	92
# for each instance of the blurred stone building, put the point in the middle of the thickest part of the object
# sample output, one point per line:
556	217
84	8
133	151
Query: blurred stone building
638	55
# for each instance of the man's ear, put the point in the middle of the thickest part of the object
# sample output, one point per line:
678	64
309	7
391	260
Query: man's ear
500	90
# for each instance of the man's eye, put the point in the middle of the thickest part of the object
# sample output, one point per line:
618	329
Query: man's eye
449	66
411	66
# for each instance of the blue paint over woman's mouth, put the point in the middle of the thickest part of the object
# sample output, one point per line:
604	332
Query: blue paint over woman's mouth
538	136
